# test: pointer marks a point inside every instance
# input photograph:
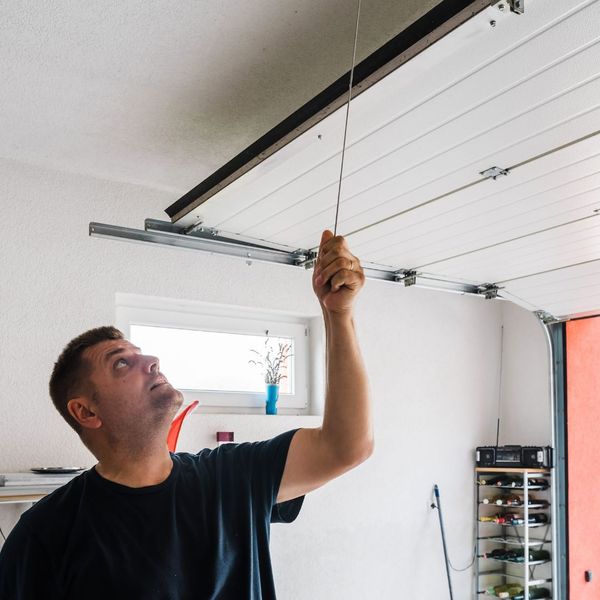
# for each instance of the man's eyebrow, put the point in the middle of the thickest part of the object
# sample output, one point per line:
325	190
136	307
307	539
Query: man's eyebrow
117	351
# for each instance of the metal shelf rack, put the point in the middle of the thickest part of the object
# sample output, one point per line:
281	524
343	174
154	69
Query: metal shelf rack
491	534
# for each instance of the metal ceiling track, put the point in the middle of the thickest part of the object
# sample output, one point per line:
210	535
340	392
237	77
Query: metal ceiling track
431	27
208	240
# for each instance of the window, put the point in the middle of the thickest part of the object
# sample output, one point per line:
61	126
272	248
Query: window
205	350
213	361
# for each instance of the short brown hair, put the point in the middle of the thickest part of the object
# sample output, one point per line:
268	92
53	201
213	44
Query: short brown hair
71	370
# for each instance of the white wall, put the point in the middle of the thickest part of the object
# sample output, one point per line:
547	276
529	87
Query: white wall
432	360
525	411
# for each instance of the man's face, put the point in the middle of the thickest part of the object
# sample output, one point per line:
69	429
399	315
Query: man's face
131	393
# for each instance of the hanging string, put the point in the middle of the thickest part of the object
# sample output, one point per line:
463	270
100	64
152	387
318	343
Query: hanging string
337	208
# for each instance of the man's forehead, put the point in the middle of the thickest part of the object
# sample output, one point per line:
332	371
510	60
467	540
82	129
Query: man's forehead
98	352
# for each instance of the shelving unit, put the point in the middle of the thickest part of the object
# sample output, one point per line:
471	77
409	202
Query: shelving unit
494	534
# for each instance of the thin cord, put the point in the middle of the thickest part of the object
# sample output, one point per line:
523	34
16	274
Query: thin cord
468	566
2	534
435	506
337	208
474	555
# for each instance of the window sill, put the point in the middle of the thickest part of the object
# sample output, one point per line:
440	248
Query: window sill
200	429
241	417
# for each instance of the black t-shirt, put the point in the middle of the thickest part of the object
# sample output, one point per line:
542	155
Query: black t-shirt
202	534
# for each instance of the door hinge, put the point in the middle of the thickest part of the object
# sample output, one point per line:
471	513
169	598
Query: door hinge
494	173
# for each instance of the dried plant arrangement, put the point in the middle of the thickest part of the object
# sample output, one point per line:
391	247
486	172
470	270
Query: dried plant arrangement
272	361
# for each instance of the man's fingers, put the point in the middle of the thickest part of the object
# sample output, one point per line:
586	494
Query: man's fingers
325	237
329	242
350	279
328	268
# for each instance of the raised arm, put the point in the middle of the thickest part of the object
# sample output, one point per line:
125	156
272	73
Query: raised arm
345	439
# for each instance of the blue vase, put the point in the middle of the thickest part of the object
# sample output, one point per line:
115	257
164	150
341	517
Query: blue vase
272	397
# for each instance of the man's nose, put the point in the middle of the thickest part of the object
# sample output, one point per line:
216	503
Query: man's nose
152	364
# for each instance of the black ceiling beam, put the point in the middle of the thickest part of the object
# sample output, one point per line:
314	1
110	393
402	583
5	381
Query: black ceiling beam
431	27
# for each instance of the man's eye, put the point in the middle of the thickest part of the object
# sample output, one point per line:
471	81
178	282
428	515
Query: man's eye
121	362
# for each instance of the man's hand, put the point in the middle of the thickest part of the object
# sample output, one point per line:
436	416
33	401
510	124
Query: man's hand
338	276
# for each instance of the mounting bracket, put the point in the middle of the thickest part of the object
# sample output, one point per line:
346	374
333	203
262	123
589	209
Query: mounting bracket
545	317
406	276
489	290
494	173
517	6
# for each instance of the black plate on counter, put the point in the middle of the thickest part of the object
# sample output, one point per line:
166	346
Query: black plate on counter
58	470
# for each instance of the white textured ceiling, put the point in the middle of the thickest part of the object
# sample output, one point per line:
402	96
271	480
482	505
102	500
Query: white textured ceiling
517	94
162	92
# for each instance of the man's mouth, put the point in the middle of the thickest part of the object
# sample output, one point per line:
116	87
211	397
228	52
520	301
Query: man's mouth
160	381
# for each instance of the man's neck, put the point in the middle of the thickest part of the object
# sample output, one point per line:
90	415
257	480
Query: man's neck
142	469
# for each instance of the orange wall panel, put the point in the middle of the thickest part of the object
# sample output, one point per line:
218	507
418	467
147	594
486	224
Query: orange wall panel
583	456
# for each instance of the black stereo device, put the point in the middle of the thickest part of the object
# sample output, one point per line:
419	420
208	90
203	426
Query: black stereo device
536	457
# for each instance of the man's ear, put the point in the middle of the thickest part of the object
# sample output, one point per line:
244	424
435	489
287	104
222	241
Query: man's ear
83	411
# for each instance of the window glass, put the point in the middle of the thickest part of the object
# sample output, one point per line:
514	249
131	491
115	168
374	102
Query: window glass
215	360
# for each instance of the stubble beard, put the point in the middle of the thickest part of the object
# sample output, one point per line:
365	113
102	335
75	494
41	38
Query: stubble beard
167	400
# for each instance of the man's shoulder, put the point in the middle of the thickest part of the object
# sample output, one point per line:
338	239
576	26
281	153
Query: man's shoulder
237	456
211	463
62	499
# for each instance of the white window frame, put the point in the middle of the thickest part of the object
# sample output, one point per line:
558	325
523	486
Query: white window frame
133	309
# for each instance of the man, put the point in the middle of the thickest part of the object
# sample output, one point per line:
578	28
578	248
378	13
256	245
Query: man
147	524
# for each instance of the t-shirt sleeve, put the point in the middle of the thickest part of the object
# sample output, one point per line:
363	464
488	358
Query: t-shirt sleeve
268	462
25	567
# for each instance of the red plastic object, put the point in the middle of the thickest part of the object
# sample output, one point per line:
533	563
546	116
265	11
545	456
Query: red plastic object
176	425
